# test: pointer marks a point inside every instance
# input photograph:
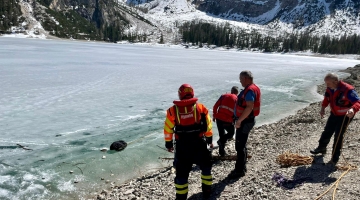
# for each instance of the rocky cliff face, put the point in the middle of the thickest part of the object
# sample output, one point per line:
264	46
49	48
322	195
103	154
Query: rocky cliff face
99	12
102	19
304	12
108	20
319	17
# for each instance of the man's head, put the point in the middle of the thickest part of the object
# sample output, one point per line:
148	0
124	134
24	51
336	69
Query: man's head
185	91
331	80
234	90
246	78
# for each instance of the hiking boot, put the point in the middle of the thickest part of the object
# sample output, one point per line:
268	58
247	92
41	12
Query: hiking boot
332	165
236	174
333	162
206	194
181	196
318	150
221	148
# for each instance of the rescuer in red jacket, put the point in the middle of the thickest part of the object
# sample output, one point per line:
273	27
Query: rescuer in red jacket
344	103
223	115
247	108
190	123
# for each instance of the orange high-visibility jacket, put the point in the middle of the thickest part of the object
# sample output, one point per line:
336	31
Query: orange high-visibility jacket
183	114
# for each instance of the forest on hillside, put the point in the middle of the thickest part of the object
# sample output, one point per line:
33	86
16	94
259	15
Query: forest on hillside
201	33
9	12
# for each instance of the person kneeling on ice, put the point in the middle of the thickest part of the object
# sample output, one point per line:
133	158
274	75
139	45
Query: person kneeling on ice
344	103
223	114
191	123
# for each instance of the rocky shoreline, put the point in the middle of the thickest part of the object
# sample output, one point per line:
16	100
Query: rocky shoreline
296	133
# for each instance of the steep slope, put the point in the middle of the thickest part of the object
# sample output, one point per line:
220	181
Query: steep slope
151	20
319	17
9	14
106	20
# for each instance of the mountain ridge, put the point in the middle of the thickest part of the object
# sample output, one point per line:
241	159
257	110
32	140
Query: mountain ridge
152	20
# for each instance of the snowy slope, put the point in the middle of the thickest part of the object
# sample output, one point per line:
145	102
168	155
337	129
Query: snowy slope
319	17
167	15
169	12
273	17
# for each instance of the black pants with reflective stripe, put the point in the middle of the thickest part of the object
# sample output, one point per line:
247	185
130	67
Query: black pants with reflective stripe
241	138
334	124
222	127
187	154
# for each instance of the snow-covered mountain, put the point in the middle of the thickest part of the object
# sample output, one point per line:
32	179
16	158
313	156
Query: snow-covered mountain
163	17
319	17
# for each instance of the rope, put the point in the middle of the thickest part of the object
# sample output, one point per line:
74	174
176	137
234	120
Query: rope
348	167
288	159
334	184
337	140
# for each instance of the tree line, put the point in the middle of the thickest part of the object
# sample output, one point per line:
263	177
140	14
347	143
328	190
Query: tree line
73	23
9	12
76	23
200	33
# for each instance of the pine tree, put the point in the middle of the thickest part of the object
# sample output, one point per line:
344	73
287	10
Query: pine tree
161	39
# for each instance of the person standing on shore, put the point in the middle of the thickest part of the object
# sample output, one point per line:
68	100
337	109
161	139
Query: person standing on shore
223	115
247	108
191	123
344	103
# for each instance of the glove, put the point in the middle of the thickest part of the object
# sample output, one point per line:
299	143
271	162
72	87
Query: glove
208	140
170	146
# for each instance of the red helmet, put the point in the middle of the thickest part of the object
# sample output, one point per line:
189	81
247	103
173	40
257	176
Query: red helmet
186	91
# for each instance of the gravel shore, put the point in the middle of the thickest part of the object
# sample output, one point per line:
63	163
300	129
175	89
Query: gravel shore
296	133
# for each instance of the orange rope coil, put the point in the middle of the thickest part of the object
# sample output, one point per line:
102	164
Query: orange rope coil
288	159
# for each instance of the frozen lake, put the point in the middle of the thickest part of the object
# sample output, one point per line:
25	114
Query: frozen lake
67	100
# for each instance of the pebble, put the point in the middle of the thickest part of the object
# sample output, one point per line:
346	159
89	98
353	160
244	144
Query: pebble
129	192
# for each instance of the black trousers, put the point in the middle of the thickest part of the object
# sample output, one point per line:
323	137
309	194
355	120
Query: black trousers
222	127
241	138
189	153
338	125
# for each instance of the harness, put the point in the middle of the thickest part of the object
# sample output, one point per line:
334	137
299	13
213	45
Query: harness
189	121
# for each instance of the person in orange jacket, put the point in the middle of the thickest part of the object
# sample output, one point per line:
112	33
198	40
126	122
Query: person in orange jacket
190	124
223	115
247	108
344	103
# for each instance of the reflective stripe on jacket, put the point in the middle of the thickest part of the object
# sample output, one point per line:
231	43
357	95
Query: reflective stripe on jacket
187	119
224	107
